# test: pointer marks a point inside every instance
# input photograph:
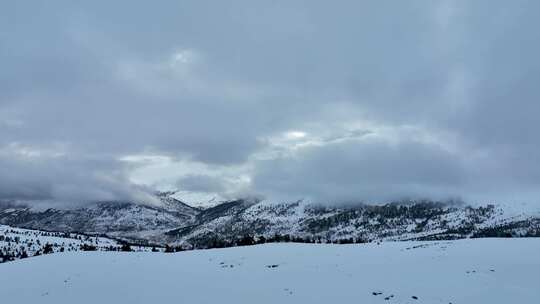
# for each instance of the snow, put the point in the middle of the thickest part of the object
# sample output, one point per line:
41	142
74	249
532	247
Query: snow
199	199
33	240
14	241
465	271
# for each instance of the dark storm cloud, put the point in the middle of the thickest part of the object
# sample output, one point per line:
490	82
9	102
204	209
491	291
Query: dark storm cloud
367	170
213	81
66	180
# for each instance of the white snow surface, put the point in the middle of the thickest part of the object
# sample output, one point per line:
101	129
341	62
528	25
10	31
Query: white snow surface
16	240
465	271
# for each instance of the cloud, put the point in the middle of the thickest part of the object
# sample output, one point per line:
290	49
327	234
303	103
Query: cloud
362	100
202	183
367	170
36	175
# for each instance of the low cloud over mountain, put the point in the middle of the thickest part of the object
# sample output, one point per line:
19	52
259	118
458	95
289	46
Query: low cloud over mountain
364	101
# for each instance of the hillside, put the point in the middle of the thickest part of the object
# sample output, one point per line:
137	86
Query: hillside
126	220
178	224
17	243
416	220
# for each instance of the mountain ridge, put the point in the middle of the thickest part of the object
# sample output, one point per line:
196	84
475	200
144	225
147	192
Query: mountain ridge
175	223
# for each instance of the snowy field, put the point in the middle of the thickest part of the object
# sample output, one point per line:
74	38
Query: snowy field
465	271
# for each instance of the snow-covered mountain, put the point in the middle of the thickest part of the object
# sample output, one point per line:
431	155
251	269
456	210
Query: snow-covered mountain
415	220
117	219
173	222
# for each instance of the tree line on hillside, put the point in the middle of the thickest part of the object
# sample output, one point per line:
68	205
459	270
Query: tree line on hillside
249	240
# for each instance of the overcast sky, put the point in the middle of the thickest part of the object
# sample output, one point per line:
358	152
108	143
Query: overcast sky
325	100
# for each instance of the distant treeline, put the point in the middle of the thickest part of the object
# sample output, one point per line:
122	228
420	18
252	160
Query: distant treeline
248	240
